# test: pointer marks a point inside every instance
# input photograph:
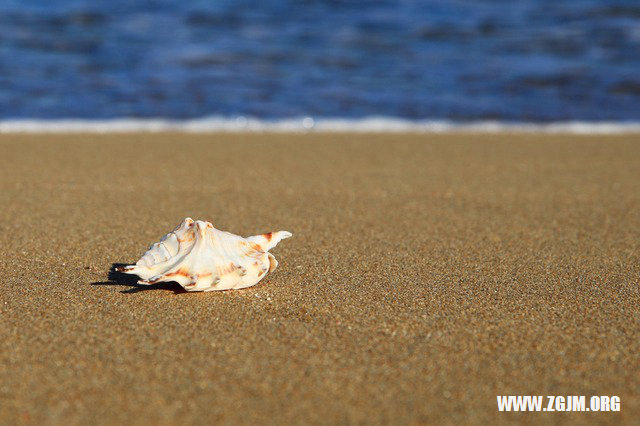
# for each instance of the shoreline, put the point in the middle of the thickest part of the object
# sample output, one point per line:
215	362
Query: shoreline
250	125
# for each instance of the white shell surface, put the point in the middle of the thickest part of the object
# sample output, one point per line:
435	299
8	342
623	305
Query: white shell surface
200	257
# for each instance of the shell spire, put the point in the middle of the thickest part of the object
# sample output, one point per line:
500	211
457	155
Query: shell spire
200	257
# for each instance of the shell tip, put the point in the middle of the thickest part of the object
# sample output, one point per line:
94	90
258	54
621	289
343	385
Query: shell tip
286	234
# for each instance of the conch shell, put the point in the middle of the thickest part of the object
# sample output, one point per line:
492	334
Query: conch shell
200	257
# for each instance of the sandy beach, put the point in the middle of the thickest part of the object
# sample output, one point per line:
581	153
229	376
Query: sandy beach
426	275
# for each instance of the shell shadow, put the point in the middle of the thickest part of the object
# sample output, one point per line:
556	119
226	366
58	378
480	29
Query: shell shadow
122	279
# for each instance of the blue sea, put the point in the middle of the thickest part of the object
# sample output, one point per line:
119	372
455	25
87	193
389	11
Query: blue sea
532	61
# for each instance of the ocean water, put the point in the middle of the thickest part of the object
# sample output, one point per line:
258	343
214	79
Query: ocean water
533	61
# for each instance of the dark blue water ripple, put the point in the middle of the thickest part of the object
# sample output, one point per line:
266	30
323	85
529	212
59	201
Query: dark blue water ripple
530	60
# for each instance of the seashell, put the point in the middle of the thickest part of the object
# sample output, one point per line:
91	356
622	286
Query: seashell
200	257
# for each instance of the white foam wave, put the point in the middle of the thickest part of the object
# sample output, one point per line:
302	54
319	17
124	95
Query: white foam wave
308	124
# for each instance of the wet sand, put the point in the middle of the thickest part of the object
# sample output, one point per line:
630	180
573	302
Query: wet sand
426	275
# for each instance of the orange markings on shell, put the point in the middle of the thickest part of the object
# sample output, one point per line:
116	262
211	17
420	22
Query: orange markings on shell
223	270
180	271
187	239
